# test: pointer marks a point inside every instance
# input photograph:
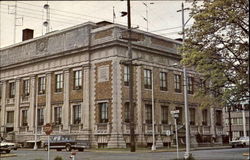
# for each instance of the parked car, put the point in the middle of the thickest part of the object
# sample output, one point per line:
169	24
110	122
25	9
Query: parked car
4	147
242	141
66	142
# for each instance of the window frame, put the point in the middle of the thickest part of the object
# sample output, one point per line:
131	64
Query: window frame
126	76
76	119
10	117
77	79
148	112
164	114
103	112
12	90
177	83
59	82
25	117
41	85
147	79
163	81
40	116
58	115
26	87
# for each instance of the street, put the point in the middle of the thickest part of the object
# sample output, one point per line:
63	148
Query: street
219	154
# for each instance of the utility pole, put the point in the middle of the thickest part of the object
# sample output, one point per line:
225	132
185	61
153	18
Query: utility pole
187	153
131	77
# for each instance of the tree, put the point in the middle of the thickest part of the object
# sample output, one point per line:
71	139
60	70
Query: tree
217	46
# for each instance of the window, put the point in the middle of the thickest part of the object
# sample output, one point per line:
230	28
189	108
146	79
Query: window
192	116
40	116
12	90
179	119
204	117
164	114
163	81
190	86
148	108
218	114
177	83
58	115
76	114
147	79
24	118
77	79
26	87
59	82
127	112
126	75
10	117
41	85
103	112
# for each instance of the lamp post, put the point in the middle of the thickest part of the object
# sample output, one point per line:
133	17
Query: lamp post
153	113
36	118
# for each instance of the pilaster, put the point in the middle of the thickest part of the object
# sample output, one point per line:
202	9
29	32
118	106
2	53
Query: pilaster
86	98
3	109
17	104
116	139
48	98
32	98
139	122
65	110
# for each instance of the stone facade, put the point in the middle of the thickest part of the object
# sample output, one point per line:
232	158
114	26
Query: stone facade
91	100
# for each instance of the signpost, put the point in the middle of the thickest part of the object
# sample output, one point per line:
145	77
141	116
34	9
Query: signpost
175	115
47	128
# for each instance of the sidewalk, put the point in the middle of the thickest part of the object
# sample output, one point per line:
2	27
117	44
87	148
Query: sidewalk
148	150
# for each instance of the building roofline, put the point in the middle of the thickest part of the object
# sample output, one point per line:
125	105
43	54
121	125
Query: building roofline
49	34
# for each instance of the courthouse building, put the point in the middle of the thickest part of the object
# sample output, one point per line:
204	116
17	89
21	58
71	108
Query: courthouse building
74	79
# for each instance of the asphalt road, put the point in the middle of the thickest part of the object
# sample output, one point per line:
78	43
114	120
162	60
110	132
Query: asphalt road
219	154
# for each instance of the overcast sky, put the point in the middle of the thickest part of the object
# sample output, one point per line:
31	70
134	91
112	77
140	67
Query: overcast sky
163	18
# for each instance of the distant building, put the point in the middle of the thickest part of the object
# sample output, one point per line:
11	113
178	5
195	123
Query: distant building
238	114
76	81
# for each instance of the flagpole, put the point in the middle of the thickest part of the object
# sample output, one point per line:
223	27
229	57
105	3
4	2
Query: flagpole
114	14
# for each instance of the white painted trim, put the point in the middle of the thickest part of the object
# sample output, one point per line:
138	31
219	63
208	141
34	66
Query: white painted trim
77	69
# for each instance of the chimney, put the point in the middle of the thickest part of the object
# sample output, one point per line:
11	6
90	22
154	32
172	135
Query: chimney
27	34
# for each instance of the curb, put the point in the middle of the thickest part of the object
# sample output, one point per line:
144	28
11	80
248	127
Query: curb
7	155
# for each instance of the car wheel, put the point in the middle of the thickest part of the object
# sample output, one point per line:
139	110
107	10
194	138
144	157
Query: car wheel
68	148
45	148
80	149
244	145
233	146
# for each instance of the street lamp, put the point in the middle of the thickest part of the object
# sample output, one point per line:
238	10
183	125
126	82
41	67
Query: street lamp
36	118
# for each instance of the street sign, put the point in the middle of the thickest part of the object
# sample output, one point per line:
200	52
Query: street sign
175	112
47	128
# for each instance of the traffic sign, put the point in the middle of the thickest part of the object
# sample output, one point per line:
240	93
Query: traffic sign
47	128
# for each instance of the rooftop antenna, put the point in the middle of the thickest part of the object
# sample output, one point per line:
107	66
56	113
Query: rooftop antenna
14	12
47	22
